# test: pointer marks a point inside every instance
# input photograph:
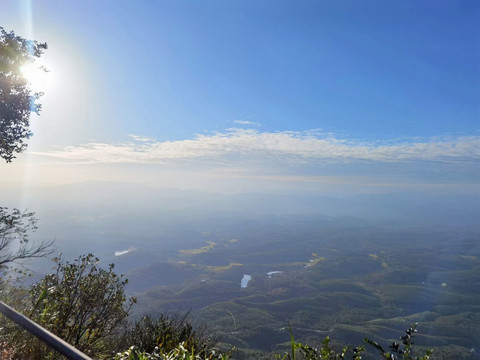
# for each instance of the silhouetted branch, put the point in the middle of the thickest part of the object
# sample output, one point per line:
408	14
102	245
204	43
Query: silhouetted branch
15	227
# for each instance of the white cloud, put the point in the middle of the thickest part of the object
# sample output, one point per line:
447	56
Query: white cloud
246	122
141	138
251	146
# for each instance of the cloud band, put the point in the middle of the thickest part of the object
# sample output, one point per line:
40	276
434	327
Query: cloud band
251	145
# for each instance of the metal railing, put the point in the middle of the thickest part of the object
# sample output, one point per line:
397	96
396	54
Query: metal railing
46	336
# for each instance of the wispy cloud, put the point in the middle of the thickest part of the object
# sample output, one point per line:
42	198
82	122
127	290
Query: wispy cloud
246	122
247	145
141	138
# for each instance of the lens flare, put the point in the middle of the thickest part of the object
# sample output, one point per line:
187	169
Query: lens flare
37	76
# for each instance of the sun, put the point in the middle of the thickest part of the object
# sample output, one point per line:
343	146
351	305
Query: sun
38	78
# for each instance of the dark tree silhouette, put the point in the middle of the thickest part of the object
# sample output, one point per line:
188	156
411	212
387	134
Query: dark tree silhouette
17	102
17	99
15	226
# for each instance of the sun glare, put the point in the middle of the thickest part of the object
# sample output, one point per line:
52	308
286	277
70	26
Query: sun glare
39	79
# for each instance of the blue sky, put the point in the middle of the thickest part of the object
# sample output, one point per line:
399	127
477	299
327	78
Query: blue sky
355	89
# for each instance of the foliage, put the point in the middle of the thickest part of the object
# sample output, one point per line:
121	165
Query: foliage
401	351
15	226
305	352
166	333
81	303
177	353
17	100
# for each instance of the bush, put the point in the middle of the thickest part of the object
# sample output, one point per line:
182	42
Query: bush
167	333
81	303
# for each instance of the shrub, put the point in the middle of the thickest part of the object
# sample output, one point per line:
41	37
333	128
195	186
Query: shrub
81	303
167	333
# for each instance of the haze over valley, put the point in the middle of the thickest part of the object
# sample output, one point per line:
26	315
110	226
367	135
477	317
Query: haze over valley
336	266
